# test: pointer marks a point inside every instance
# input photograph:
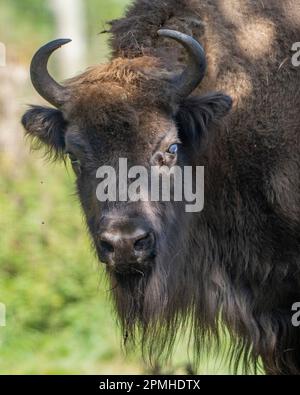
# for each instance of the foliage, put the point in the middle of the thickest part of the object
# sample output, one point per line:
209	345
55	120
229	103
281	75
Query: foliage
25	25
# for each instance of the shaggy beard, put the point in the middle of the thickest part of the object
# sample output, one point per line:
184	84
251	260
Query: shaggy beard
154	307
148	311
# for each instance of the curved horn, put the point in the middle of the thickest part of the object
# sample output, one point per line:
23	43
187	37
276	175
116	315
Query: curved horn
195	71
44	84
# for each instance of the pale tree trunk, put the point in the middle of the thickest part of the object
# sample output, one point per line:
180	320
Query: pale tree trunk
70	23
13	80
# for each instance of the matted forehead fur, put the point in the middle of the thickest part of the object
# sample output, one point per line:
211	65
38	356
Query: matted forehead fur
121	107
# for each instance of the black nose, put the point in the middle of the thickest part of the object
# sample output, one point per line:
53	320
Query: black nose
126	243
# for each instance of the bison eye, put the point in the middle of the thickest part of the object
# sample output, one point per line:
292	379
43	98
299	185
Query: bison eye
173	149
75	163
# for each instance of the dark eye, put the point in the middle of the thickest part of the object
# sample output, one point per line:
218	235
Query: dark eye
173	149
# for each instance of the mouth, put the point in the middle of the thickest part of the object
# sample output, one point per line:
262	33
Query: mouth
132	268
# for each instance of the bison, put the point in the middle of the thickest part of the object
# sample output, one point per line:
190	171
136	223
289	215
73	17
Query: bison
232	105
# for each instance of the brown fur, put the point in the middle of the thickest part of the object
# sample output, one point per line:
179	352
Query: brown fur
240	257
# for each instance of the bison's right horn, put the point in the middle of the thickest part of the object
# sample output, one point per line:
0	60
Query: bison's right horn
44	84
191	77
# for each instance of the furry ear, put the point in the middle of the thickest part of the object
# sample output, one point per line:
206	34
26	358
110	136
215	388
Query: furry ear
197	113
46	126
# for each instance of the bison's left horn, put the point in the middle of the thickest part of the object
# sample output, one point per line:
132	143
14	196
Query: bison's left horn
44	84
194	73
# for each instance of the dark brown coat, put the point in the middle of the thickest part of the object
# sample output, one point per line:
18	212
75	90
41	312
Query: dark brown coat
239	258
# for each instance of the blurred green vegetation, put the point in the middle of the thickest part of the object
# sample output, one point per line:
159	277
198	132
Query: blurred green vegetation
59	318
20	22
26	24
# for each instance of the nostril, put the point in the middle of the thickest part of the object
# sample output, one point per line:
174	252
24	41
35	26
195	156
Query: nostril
106	247
144	243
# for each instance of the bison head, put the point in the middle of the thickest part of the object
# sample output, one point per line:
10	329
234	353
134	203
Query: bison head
138	109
